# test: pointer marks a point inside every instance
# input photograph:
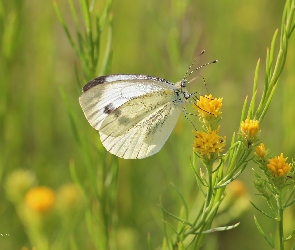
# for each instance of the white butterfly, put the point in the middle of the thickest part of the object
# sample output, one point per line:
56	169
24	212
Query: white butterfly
134	114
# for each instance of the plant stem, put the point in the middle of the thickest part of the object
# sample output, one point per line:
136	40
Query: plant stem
210	187
206	221
281	221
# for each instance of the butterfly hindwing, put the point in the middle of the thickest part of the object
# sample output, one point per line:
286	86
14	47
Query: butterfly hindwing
132	112
145	138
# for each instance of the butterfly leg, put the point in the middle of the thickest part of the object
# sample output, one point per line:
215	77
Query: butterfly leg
185	115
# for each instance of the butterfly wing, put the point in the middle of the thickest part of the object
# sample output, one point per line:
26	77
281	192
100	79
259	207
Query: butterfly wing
143	138
134	114
105	94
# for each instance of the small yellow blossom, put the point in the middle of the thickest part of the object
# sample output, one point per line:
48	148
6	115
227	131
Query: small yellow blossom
208	106
260	150
250	127
40	199
278	166
208	143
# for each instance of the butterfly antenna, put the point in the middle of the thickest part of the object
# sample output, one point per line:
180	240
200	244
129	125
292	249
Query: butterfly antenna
186	73
204	81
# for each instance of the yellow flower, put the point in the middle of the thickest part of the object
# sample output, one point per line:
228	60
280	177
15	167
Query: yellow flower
40	199
278	166
208	106
209	143
249	129
260	150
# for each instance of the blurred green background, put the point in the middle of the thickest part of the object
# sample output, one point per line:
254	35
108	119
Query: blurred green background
151	37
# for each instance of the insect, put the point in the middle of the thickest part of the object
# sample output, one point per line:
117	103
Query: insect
134	114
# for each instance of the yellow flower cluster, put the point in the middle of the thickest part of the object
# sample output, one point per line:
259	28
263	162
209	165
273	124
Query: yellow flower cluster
208	106
249	128
278	166
208	143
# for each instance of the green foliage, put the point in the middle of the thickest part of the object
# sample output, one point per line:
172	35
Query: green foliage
49	50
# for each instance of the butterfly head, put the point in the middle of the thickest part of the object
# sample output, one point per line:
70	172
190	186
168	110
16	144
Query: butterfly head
183	83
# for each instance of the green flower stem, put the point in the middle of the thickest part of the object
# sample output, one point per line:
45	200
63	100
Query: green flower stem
206	220
210	187
33	224
281	220
215	194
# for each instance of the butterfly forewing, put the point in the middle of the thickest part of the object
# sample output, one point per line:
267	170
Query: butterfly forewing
100	100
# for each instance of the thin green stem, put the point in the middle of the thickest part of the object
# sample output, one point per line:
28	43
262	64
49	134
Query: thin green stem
207	207
281	220
210	187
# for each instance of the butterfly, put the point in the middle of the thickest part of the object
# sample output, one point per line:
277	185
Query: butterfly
134	114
